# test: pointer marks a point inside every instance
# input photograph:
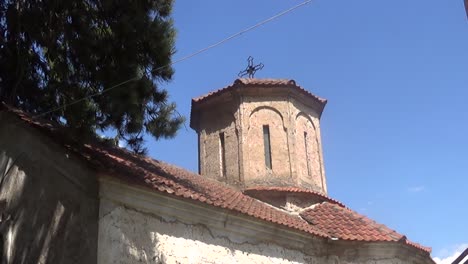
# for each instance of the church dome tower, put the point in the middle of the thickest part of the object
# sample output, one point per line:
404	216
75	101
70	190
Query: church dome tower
261	132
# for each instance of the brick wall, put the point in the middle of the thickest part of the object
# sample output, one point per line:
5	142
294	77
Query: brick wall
240	117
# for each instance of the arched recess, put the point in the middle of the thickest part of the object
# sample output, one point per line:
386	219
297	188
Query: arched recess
260	118
309	158
219	146
260	108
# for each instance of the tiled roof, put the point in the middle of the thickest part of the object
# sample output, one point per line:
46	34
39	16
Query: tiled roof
173	180
260	83
345	224
318	195
252	82
162	177
326	220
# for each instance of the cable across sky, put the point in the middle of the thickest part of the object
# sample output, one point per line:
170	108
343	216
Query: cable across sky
282	13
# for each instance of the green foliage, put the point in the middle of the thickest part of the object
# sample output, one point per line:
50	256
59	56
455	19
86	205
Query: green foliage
55	52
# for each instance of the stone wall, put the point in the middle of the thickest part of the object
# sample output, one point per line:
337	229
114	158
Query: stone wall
271	112
309	167
49	200
240	117
295	143
219	122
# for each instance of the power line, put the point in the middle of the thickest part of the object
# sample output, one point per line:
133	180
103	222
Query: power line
245	30
183	58
87	97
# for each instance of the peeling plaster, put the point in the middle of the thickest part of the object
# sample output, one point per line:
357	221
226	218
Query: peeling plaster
131	236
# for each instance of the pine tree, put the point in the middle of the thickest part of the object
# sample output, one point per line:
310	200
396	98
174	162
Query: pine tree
54	52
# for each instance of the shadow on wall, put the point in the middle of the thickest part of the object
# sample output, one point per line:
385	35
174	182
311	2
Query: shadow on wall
44	218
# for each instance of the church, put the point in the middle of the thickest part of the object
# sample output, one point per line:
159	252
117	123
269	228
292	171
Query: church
260	195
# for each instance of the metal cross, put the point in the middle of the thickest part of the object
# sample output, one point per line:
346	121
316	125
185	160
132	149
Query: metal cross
251	69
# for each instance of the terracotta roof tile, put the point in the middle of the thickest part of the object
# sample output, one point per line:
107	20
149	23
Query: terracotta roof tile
330	218
318	195
259	82
252	82
345	224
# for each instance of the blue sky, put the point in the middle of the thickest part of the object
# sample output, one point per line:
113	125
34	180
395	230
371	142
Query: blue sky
395	130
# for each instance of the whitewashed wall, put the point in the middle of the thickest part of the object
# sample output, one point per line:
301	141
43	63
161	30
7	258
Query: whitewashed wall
133	237
139	226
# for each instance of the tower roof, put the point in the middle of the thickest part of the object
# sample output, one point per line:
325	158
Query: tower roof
242	83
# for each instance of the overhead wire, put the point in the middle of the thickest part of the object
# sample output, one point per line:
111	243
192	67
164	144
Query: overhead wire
244	31
181	59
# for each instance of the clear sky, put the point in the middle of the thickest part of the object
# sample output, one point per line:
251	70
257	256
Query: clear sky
395	73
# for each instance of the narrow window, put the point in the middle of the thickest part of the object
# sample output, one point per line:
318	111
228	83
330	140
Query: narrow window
267	146
306	153
199	155
222	154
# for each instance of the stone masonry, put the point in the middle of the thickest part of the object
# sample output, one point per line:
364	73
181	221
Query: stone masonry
232	125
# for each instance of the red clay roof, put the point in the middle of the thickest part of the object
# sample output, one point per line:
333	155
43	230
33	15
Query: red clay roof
260	83
345	224
263	83
318	195
327	219
252	82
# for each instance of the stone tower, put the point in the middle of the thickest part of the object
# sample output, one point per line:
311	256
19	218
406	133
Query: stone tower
261	132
